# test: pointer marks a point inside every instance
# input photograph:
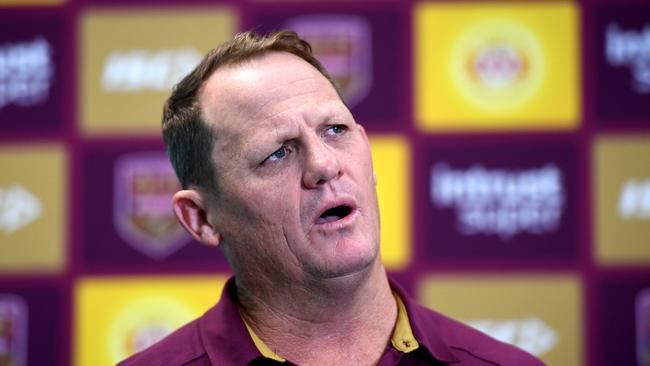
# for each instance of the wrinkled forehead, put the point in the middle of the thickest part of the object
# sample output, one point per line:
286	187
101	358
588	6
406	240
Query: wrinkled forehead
238	95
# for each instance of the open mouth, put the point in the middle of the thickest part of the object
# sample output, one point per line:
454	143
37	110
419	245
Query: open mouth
334	214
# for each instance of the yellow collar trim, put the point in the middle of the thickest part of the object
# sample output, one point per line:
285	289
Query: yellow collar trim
261	346
402	338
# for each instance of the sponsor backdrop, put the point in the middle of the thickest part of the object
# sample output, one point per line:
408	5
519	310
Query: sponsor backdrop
511	144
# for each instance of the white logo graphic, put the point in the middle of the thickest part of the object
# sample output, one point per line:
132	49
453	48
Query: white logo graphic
26	72
500	202
137	70
18	208
530	334
634	200
631	49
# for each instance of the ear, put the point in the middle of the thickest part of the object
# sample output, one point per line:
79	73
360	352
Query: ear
191	210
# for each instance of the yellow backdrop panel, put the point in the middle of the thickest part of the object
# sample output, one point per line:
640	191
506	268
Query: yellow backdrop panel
118	316
496	66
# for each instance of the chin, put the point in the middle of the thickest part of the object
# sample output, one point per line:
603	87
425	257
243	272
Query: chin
347	264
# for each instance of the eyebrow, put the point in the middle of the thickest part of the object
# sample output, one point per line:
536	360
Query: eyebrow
262	142
277	130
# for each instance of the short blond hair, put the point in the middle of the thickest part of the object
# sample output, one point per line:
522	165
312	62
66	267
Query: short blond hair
188	139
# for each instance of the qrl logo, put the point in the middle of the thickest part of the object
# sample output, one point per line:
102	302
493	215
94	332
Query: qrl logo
499	65
634	200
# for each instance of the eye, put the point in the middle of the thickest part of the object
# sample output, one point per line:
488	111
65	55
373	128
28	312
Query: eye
278	154
336	129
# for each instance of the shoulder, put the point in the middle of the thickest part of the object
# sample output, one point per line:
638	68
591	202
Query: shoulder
183	346
468	343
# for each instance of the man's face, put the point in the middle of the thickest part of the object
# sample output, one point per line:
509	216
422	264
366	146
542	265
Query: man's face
296	192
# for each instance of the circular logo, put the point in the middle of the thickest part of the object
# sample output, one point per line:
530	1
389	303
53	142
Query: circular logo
497	65
143	323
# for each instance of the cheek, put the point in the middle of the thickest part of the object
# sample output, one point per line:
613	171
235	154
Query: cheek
263	200
273	211
267	211
366	168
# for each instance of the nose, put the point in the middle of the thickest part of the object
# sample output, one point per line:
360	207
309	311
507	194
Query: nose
321	165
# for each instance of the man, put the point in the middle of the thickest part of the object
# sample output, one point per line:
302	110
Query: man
277	173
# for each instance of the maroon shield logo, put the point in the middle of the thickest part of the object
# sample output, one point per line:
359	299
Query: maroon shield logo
143	216
343	44
13	331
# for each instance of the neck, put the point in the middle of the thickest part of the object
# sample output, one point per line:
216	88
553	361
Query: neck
347	320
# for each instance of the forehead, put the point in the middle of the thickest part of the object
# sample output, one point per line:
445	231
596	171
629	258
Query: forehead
239	96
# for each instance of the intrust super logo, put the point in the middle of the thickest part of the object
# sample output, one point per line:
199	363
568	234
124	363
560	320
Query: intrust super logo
33	81
496	66
623	63
498	201
26	72
131	59
630	48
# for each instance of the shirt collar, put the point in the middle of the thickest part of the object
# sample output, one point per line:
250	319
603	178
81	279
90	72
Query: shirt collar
224	334
402	338
265	350
229	341
427	327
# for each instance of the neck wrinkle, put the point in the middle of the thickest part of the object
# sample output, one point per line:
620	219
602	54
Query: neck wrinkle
357	314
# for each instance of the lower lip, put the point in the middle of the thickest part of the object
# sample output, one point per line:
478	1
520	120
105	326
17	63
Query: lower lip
340	223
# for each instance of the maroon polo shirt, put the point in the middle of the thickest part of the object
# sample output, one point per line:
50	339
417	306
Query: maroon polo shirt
220	337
